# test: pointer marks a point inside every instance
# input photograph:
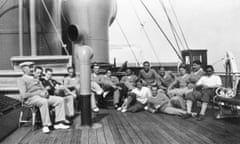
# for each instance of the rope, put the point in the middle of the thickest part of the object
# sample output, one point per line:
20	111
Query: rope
218	61
164	34
147	36
3	3
128	42
179	26
174	31
55	28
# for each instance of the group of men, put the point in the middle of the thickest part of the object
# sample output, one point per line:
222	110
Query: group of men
151	90
162	90
45	93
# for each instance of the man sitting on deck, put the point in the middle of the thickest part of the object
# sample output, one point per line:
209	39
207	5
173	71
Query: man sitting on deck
35	94
165	77
148	75
137	98
179	87
204	91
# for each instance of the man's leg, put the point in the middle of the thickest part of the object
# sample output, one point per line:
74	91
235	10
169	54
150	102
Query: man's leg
116	98
136	107
58	103
207	94
93	103
178	102
190	98
69	105
174	111
42	103
177	92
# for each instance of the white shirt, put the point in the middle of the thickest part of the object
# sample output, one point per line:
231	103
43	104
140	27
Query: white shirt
212	81
142	94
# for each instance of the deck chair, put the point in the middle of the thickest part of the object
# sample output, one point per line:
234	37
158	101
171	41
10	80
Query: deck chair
228	102
25	119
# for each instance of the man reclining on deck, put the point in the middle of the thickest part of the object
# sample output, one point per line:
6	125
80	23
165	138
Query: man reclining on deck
35	94
159	101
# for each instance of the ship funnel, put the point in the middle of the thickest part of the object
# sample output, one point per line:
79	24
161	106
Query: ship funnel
89	21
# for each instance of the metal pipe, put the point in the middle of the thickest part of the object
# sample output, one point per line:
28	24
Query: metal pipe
33	34
82	59
20	25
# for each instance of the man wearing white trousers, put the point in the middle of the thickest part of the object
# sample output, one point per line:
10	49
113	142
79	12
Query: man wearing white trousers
35	94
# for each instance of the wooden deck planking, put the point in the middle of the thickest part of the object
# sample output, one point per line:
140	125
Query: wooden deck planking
191	128
131	132
148	129
178	134
138	131
108	134
126	138
136	128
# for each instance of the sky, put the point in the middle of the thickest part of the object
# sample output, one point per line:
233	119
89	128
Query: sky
207	24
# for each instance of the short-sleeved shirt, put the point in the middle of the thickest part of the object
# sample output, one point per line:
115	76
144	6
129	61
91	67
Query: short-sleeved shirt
142	94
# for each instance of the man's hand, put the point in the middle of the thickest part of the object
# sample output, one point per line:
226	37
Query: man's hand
44	94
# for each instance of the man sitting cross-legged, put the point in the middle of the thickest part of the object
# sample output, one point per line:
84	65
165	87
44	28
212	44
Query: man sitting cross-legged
159	101
35	94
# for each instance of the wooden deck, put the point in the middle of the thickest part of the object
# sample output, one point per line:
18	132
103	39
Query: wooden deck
136	128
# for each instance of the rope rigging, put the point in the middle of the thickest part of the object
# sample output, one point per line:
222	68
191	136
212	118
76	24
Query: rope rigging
174	31
3	3
146	34
128	43
178	24
55	28
164	34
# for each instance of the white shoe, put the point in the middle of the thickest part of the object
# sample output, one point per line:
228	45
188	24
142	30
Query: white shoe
61	126
123	110
105	94
45	129
96	109
119	109
146	107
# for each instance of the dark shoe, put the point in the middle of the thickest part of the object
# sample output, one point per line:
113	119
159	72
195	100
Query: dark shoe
66	122
187	116
201	117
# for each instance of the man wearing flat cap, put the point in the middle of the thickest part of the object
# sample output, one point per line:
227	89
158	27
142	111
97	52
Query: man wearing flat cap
33	93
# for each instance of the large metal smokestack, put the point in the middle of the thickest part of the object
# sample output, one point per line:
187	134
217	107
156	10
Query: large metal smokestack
92	18
89	21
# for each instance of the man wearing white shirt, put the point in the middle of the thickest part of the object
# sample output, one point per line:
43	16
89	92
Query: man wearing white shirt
137	98
204	91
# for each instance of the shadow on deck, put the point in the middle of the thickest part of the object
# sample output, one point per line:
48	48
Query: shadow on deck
136	128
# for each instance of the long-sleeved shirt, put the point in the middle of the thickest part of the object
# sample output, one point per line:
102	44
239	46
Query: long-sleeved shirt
150	76
29	86
159	100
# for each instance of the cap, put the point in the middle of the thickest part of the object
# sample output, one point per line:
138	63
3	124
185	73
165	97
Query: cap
27	63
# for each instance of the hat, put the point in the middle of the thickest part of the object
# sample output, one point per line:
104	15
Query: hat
27	63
